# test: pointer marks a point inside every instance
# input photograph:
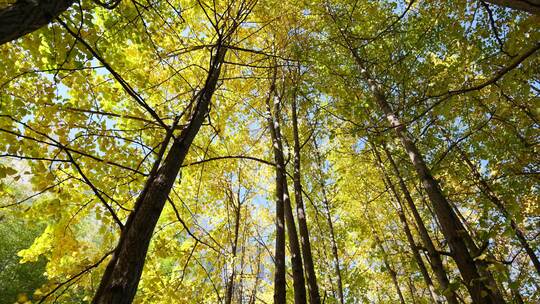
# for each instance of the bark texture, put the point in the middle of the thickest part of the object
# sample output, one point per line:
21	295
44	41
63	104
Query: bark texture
26	16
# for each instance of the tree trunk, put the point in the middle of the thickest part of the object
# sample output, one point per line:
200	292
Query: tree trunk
311	278
479	292
530	6
234	247
26	16
390	270
121	278
280	287
434	256
412	245
490	194
333	242
296	255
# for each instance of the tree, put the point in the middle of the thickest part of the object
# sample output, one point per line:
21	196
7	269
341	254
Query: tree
159	143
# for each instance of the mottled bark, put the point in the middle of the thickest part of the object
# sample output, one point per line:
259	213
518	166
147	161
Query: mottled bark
299	287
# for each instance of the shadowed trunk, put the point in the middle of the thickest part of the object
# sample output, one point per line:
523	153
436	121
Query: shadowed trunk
296	256
412	245
121	278
311	278
280	287
25	16
434	256
480	293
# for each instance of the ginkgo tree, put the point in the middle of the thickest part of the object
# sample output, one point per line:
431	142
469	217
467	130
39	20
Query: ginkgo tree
258	151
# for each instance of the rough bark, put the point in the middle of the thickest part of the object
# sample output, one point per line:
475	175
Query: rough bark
25	16
311	278
333	242
410	239
296	255
121	278
433	254
530	6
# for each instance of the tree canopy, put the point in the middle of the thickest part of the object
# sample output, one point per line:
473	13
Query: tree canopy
263	151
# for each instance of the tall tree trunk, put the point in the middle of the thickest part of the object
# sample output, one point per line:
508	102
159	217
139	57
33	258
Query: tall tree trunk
412	245
333	241
296	255
476	251
389	268
434	256
280	287
479	292
121	278
299	283
311	278
23	17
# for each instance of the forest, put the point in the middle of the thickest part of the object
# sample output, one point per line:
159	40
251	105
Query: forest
270	151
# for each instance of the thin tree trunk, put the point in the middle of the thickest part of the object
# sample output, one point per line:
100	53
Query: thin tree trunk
479	292
299	283
412	245
311	278
280	287
389	268
253	296
296	255
333	242
234	247
121	278
490	194
23	17
434	256
412	290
